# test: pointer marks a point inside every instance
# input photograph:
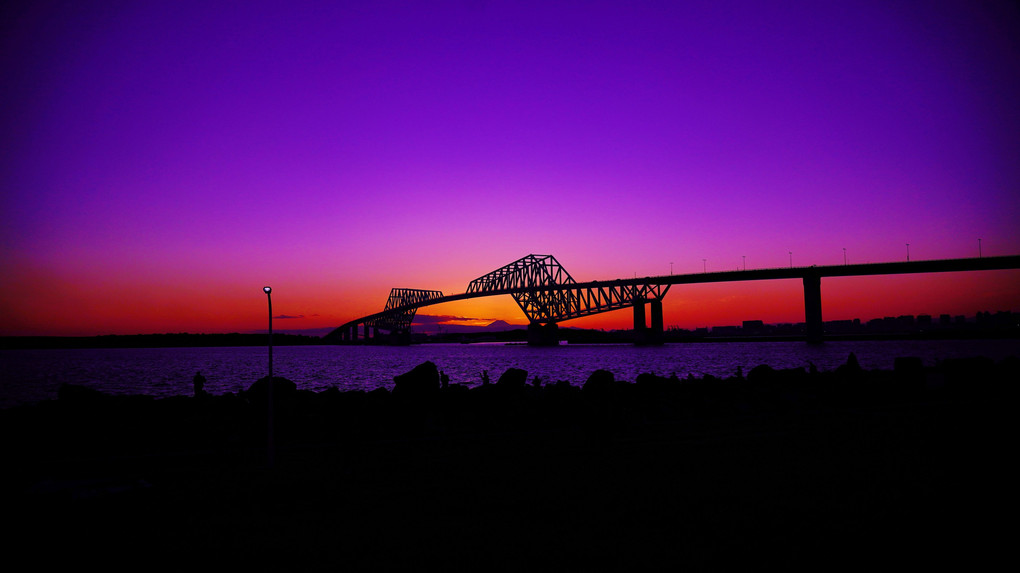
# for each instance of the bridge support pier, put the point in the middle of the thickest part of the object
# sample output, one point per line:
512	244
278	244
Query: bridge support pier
813	308
643	335
655	332
640	330
543	334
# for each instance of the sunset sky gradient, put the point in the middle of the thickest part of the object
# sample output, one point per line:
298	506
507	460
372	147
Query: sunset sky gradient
161	162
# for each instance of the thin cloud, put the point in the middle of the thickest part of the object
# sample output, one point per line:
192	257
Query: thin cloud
289	316
434	319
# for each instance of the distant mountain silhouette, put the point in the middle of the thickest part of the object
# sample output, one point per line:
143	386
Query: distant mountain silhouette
494	326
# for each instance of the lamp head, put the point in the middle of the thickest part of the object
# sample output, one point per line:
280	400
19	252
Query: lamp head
267	290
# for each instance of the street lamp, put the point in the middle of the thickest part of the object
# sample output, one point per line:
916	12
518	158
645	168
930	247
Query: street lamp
908	252
270	448
791	259
744	259
979	248
671	268
269	299
844	256
704	263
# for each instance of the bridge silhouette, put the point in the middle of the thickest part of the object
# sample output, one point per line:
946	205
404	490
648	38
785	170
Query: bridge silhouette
548	295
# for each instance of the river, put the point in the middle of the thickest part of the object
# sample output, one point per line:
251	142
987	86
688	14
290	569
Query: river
28	376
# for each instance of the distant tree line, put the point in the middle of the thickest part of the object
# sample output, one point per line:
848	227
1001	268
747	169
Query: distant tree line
167	340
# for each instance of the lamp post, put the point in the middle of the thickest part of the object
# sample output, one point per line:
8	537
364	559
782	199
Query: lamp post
979	248
671	268
908	252
269	299
270	447
844	256
791	258
704	264
743	259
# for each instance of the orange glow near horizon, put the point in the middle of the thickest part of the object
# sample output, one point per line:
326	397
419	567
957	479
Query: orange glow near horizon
141	307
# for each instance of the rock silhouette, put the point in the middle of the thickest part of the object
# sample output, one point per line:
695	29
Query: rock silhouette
784	466
513	377
421	381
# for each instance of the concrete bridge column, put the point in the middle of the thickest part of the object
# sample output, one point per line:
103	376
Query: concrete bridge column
640	330
813	307
655	333
354	334
639	315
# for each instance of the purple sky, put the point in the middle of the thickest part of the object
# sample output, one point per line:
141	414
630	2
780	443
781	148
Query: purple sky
162	161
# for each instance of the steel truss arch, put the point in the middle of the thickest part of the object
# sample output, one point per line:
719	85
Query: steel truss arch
586	301
530	279
401	307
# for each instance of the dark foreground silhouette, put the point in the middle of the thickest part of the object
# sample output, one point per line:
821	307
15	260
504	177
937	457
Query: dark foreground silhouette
794	468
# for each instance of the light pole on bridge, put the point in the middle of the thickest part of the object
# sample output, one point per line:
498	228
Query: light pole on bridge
791	259
270	448
743	258
844	256
908	252
979	248
671	268
704	263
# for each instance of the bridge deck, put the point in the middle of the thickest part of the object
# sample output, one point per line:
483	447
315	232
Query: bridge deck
864	269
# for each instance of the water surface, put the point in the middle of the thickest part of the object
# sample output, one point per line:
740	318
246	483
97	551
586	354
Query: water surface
33	375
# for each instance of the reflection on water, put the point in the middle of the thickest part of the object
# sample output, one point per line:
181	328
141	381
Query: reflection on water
32	375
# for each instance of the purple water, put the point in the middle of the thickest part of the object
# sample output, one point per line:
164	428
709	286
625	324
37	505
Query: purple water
28	376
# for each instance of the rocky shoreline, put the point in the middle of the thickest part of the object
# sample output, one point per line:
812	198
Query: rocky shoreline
795	468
